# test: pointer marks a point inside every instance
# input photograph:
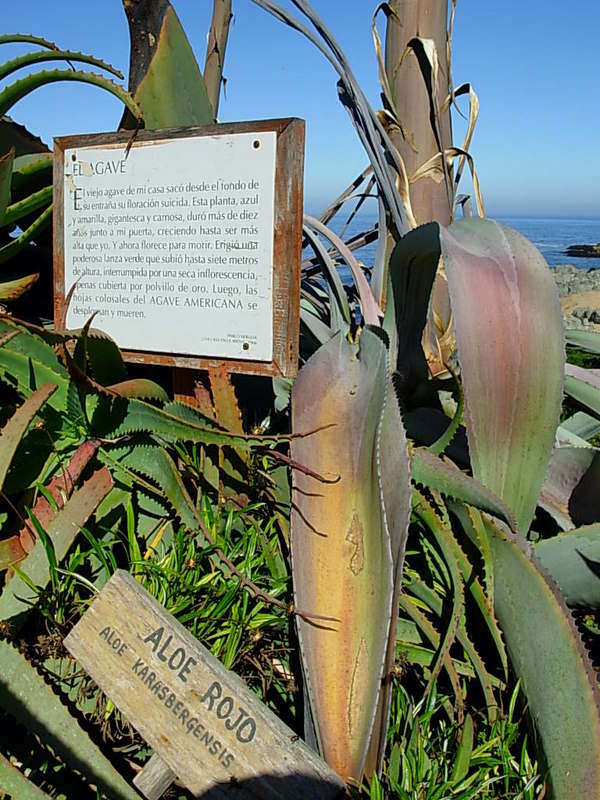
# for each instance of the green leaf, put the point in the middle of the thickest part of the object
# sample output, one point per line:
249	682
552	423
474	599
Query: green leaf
140	388
584	340
20	88
443	476
16	784
584	386
573	560
570	491
17	425
462	761
511	352
6	165
39	56
547	655
32	703
164	76
19	595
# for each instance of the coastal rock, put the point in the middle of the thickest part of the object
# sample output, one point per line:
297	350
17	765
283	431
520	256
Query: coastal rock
579	291
583	250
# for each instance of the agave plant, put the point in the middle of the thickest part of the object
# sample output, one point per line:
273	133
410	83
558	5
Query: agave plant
510	348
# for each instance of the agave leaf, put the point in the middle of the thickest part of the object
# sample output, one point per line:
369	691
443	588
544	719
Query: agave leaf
570	491
555	671
225	400
16	784
164	76
394	470
215	52
443	476
511	352
342	560
20	88
412	270
584	340
11	290
18	596
30	170
24	694
582	425
583	385
573	561
6	165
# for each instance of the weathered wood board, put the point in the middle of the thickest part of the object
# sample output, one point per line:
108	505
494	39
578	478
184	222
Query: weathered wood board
185	243
200	718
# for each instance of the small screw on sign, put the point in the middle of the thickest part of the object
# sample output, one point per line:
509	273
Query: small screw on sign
245	346
256	144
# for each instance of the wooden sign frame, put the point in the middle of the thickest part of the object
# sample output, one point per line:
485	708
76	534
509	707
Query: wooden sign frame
205	725
287	236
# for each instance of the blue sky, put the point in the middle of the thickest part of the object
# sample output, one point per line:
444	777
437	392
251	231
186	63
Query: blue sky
533	64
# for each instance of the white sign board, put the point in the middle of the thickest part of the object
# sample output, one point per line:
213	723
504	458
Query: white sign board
172	243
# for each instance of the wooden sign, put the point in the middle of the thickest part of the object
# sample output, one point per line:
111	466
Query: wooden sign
185	243
205	726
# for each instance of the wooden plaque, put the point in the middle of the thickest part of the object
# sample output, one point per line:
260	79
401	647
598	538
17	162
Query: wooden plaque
200	718
185	243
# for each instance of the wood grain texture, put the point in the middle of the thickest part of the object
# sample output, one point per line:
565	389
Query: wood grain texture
200	718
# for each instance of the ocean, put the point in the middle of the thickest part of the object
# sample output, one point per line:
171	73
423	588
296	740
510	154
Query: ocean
551	235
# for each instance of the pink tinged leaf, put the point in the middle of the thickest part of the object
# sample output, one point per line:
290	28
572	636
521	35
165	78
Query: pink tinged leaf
342	560
60	488
511	351
11	552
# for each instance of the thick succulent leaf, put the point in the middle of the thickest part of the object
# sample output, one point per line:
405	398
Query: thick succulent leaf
24	694
570	490
16	784
39	56
23	208
394	470
584	386
442	476
511	352
17	425
556	674
573	561
39	225
16	91
584	340
6	165
18	596
11	552
14	135
412	270
341	551
582	425
164	76
142	388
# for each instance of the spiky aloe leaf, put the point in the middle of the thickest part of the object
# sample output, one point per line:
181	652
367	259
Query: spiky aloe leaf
24	694
20	88
164	76
19	595
15	428
342	558
6	165
25	207
14	135
570	490
445	477
141	388
16	784
555	671
573	560
511	351
39	56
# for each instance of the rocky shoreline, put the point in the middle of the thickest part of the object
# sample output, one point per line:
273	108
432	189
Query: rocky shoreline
579	291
